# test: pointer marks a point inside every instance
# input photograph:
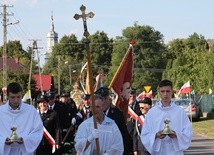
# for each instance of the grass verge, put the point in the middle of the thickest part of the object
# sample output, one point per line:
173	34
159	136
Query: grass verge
204	127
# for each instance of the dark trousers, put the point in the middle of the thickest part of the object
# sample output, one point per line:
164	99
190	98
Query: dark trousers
143	153
44	150
67	147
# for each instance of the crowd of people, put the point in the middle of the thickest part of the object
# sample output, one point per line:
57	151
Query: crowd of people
58	126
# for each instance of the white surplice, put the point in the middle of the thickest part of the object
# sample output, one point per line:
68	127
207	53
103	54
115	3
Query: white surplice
29	126
110	138
154	122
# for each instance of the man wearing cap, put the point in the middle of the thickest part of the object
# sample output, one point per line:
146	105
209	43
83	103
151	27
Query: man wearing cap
84	107
53	104
117	115
133	104
50	121
144	104
68	118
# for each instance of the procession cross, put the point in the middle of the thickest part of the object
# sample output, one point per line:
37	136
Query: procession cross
84	17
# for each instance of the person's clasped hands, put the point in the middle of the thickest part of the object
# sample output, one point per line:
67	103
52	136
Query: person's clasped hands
9	142
94	135
160	135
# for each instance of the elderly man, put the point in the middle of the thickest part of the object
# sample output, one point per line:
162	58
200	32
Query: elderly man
110	139
117	115
144	105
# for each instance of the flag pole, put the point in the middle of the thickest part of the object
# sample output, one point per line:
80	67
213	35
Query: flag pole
190	107
86	34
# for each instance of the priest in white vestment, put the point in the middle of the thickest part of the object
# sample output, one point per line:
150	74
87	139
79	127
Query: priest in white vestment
152	137
107	132
26	120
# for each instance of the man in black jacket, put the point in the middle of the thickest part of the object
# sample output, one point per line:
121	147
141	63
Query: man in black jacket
50	121
117	115
133	104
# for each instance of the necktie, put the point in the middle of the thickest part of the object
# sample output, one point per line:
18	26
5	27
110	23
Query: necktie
50	108
87	113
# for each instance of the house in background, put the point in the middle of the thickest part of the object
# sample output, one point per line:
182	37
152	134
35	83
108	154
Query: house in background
13	64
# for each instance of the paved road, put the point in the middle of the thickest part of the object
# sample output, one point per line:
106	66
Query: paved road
201	146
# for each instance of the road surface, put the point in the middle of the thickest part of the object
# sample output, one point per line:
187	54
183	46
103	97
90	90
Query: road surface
200	145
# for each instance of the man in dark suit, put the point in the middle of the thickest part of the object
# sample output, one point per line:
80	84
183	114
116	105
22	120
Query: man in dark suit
50	121
144	104
68	118
84	107
133	104
117	115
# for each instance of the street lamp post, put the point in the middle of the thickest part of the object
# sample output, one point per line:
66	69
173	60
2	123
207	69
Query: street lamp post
70	80
59	74
73	71
69	71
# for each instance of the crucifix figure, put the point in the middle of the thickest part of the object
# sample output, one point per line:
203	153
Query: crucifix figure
84	18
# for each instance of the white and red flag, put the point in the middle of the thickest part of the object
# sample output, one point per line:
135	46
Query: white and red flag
150	94
141	95
185	88
135	116
121	82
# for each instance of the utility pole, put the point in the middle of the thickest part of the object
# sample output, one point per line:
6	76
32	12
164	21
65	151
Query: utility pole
30	72
4	55
35	49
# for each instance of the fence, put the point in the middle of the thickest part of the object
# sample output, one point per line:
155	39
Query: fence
206	101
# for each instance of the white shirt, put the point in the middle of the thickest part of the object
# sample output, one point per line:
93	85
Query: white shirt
29	126
110	139
154	122
51	107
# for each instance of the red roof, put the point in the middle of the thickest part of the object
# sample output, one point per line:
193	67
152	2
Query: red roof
12	64
46	82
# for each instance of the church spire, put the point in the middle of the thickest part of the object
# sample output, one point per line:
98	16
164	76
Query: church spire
52	38
52	22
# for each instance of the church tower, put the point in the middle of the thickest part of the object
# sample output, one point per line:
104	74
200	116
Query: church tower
52	40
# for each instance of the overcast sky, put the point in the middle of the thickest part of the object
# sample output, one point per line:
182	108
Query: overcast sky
174	19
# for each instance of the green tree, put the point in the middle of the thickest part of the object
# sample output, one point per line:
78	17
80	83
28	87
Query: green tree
15	50
190	60
101	51
72	51
149	55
